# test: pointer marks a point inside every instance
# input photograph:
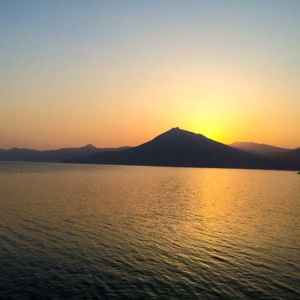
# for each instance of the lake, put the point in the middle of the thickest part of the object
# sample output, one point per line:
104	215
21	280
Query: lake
130	232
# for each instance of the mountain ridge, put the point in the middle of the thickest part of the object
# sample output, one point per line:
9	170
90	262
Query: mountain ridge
256	148
59	155
175	147
291	158
181	148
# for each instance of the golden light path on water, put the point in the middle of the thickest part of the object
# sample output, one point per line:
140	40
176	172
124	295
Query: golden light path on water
120	231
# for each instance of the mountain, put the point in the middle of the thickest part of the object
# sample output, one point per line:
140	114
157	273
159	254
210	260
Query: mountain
290	158
30	155
259	149
181	148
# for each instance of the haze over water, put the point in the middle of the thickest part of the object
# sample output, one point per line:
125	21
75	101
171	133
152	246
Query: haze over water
88	231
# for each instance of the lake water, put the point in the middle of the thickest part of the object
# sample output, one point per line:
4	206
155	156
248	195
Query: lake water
122	232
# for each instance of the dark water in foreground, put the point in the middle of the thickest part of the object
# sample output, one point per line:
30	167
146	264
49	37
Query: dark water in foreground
118	232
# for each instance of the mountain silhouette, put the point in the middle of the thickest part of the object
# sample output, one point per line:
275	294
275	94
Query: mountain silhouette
290	158
182	148
259	149
30	155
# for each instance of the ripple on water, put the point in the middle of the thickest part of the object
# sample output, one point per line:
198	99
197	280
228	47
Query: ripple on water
115	232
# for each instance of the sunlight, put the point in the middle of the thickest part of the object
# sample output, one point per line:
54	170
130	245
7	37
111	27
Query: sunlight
209	127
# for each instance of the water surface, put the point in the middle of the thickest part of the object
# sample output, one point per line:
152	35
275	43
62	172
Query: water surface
121	232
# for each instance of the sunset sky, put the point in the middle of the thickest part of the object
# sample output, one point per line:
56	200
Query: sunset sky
115	73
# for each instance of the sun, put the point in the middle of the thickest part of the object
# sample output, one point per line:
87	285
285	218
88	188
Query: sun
209	127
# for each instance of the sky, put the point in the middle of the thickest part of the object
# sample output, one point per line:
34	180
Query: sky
115	73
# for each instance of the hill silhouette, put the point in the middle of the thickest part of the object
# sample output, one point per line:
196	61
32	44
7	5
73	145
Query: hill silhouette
290	158
30	155
259	149
182	148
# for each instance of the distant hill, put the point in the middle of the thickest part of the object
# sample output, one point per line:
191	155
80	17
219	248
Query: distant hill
291	158
260	149
178	147
30	155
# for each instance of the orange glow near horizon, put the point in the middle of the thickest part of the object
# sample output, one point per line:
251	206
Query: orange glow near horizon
125	77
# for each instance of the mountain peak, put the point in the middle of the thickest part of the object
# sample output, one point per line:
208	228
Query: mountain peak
178	132
89	146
